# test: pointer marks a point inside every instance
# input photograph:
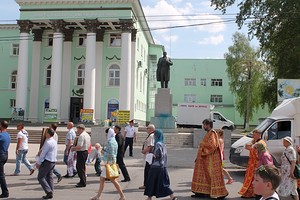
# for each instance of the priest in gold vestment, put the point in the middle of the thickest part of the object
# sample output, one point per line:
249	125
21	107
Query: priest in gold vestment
208	178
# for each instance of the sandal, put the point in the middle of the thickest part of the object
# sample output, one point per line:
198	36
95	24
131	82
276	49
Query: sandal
95	198
230	181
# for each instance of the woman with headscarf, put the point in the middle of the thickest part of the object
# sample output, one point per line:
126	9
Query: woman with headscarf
288	184
109	156
158	182
264	157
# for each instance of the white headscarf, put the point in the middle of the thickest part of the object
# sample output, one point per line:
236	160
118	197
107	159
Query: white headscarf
111	134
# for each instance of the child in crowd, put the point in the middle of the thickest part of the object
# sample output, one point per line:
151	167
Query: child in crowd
266	180
221	140
97	157
263	155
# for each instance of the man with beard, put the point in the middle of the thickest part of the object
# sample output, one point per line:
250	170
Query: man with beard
208	178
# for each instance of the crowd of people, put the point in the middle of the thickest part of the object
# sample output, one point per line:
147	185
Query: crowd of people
262	180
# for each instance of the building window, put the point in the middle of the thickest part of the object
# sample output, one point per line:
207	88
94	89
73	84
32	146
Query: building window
216	98
115	40
190	82
82	40
12	103
15	49
189	98
216	82
13	80
48	75
114	75
80	74
203	81
50	40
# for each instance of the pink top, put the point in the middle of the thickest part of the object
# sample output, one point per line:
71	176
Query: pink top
265	159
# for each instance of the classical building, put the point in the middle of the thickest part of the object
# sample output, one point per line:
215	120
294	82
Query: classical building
73	54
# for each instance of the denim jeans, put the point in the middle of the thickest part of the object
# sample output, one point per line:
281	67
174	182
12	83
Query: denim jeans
3	159
21	156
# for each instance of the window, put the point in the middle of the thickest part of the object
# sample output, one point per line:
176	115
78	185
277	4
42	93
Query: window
13	80
114	75
82	40
190	82
216	82
15	49
115	40
203	81
48	75
80	74
50	40
279	130
189	98
216	98
12	103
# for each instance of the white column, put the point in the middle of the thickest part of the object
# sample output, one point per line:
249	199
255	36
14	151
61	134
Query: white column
22	75
90	72
133	72
35	76
125	74
99	60
56	68
66	74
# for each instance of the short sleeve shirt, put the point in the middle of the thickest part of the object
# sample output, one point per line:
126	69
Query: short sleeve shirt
84	140
70	136
23	134
129	131
150	140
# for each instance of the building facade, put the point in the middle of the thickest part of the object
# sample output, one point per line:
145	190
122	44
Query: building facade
71	54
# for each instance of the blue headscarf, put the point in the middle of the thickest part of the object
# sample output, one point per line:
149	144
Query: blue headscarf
158	136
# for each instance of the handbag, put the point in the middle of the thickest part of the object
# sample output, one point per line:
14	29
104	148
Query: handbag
297	168
112	170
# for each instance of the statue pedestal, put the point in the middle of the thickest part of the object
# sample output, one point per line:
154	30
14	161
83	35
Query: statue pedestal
163	118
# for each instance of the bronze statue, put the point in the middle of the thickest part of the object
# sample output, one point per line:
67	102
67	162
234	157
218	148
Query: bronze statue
163	70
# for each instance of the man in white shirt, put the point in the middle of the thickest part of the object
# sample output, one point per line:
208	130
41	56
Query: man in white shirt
83	144
46	164
130	137
146	149
70	137
21	149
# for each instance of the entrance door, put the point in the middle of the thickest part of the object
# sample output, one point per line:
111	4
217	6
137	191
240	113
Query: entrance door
76	105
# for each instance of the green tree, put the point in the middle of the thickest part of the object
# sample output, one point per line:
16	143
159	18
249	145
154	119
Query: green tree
276	24
245	72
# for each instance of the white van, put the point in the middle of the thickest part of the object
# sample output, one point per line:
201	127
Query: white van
284	121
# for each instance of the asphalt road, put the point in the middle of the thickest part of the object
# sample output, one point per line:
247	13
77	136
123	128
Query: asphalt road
26	187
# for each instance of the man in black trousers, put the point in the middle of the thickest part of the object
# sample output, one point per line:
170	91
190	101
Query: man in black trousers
120	155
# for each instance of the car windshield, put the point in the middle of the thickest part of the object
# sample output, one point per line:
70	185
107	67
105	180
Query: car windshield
262	126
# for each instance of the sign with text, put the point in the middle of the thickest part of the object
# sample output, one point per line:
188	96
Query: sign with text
123	116
17	114
50	115
86	115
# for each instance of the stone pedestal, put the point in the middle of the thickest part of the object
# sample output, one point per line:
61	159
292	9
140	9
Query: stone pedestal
163	118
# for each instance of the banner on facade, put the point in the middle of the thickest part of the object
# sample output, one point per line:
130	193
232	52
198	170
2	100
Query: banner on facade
123	117
17	114
50	115
288	88
86	115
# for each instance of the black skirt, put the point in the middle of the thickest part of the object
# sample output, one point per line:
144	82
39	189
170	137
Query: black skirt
158	183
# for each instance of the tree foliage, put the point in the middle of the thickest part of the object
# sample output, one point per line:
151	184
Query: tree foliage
244	67
276	24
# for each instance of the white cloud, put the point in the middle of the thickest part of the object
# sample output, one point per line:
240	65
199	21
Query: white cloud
212	40
183	16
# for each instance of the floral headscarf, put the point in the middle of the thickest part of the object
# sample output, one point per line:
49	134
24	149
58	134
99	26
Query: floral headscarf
158	136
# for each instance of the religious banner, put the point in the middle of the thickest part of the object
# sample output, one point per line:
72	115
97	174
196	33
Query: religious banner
287	88
43	137
123	117
86	115
50	115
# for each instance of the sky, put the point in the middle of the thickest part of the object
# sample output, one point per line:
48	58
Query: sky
187	28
